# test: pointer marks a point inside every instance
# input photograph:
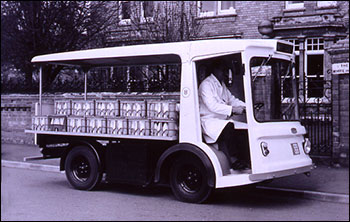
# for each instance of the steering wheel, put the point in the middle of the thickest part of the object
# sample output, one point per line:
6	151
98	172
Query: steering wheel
258	106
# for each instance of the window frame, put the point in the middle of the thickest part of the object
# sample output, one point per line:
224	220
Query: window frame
294	6
122	20
226	11
217	11
326	4
206	14
319	51
143	18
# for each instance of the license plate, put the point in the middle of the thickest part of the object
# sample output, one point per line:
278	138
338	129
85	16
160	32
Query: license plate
295	148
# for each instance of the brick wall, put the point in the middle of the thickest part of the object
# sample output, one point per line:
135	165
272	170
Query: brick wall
13	123
340	94
245	23
16	116
344	110
16	113
218	26
251	13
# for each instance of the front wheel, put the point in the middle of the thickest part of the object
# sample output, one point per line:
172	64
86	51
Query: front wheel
82	168
189	180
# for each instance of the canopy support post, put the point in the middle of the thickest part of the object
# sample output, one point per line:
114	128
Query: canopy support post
85	84
40	89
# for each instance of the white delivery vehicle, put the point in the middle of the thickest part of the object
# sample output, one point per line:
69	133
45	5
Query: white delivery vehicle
150	131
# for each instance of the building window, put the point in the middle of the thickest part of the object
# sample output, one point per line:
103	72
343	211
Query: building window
147	8
206	8
314	83
226	7
322	4
313	69
125	11
294	5
213	8
142	10
314	44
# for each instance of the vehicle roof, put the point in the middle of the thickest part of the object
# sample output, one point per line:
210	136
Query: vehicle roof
175	52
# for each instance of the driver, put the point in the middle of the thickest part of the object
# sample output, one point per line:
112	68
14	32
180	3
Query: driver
216	106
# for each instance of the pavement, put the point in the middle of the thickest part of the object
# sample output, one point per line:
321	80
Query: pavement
325	183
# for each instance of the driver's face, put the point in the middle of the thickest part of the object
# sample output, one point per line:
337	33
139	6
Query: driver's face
221	74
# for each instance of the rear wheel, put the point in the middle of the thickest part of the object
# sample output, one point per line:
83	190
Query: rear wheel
82	168
189	180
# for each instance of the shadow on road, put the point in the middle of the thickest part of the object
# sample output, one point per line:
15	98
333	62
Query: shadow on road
244	196
151	191
249	196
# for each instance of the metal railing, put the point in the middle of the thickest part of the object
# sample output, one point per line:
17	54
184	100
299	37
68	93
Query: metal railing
316	116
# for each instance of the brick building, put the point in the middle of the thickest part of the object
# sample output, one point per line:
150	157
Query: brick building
314	27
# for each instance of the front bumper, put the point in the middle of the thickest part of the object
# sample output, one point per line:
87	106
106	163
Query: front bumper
282	173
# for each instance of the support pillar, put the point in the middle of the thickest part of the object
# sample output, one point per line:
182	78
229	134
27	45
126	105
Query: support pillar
327	65
86	71
40	89
301	73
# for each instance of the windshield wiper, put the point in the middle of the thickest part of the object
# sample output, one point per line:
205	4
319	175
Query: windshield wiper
262	64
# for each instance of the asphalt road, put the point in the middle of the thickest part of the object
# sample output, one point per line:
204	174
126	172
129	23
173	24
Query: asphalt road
37	195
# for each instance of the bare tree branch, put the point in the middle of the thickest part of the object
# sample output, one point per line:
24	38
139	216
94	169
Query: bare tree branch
30	28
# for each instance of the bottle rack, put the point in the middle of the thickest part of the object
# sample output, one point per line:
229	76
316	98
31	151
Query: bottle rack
135	118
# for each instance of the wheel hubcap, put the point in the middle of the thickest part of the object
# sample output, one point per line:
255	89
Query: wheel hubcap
81	168
190	179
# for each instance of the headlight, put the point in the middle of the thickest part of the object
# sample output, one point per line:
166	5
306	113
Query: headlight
307	145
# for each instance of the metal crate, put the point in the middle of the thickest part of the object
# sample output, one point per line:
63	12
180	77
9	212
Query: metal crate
76	124
96	125
166	109
117	126
139	127
107	108
62	107
57	123
164	128
83	108
40	123
133	108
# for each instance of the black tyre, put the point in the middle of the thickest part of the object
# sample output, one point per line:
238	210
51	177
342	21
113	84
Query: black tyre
189	180
82	168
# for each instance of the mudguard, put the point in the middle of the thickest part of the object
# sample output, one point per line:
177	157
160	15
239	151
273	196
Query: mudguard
91	145
189	148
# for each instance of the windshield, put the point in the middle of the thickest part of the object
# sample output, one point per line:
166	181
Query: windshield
273	89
